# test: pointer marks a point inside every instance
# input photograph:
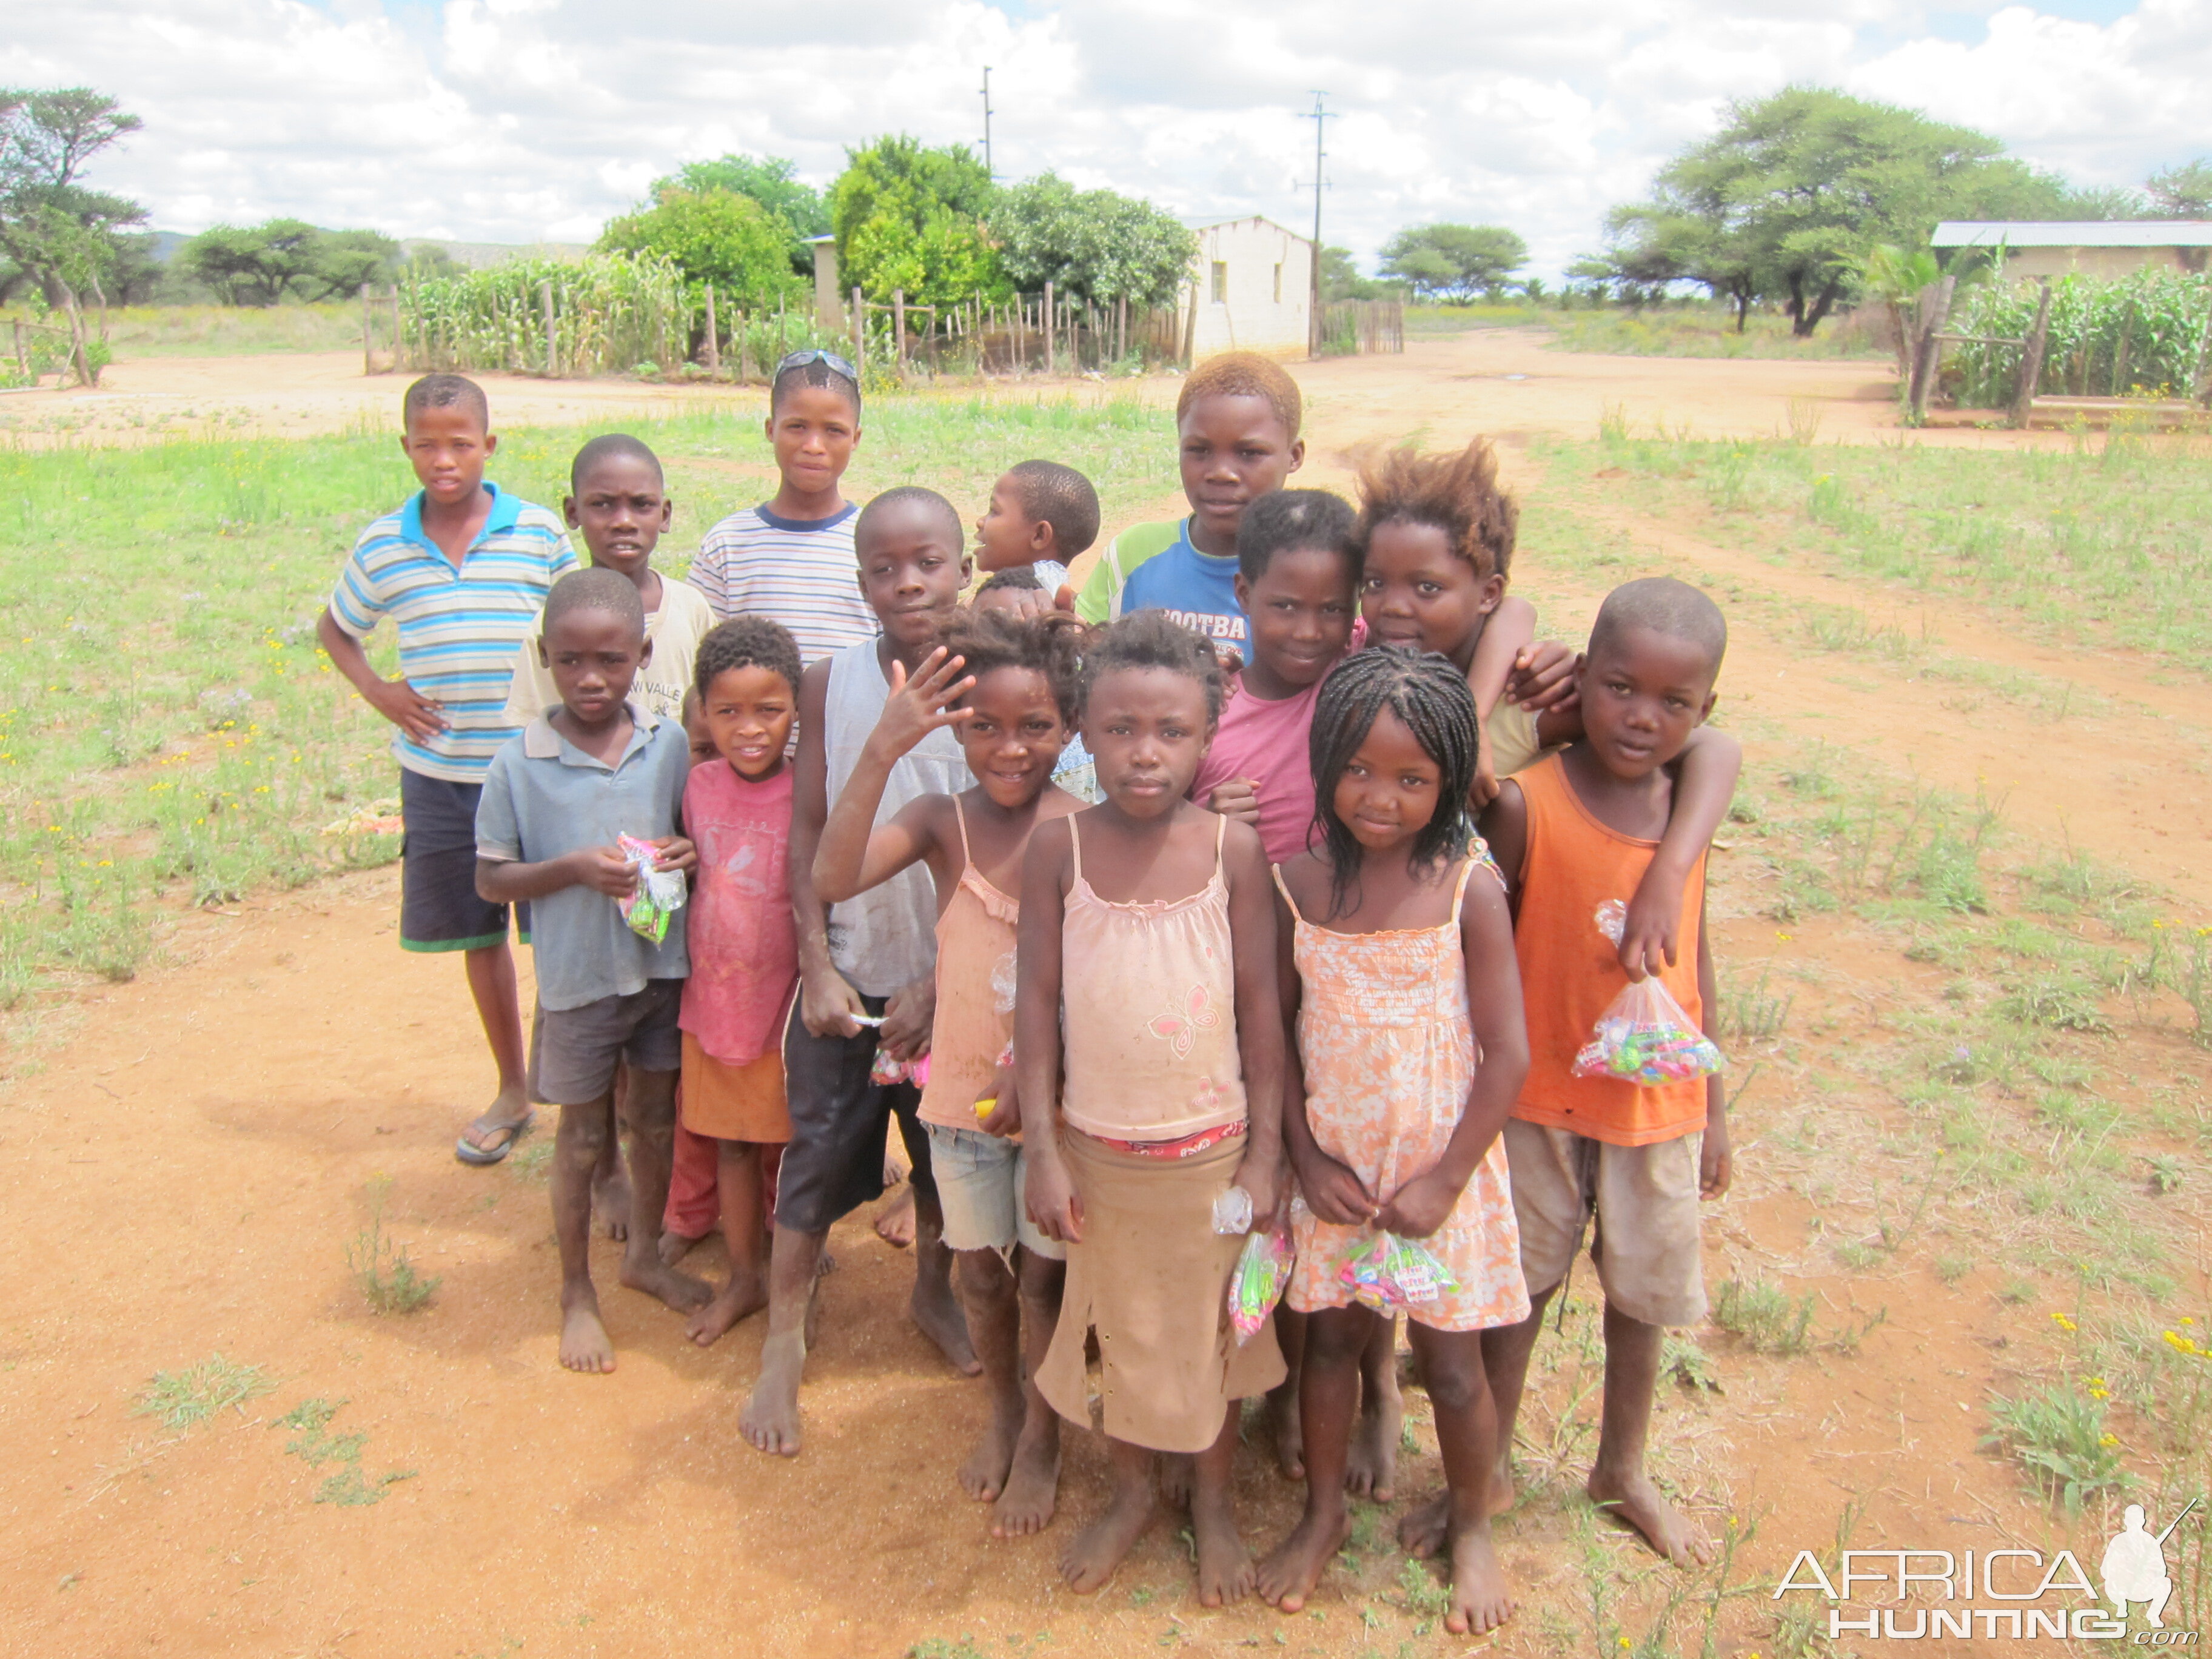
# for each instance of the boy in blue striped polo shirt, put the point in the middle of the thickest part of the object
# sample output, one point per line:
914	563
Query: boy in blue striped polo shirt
462	570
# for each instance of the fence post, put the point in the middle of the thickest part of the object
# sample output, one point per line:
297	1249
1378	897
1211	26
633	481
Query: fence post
899	328
367	362
1048	321
1931	314
22	357
395	346
713	340
2031	362
860	330
744	348
1021	334
545	300
779	348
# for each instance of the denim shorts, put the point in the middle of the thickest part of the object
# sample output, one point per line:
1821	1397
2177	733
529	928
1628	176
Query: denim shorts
979	1183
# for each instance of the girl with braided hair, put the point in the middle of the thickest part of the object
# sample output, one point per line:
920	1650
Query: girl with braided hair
1398	971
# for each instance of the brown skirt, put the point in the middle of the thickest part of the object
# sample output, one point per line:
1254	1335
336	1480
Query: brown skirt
734	1102
1151	1276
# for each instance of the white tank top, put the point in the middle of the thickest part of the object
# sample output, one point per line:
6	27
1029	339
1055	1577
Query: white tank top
888	935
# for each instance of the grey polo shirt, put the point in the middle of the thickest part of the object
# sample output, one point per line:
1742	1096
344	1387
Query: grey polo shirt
544	798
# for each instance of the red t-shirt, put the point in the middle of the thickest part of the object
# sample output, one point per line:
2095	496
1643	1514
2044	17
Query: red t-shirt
745	949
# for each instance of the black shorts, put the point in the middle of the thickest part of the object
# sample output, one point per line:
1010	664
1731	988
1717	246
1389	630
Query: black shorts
439	908
834	1162
574	1051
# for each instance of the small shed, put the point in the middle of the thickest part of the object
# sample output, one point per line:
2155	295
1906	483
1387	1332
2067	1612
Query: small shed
1250	289
2038	247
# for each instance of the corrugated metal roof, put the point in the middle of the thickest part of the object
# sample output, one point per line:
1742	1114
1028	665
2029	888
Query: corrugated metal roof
2045	233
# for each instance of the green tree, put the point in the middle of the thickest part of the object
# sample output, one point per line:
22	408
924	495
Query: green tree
770	180
64	237
909	217
1340	279
2184	191
714	236
1454	262
287	259
347	258
1093	243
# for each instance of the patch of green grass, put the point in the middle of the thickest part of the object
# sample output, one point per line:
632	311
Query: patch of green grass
232	331
2058	1434
1683	1361
1764	1318
350	1489
311	1442
532	1161
1753	1014
183	1398
386	1275
1706	331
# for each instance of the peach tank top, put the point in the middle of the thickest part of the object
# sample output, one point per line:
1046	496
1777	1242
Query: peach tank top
975	993
1148	1011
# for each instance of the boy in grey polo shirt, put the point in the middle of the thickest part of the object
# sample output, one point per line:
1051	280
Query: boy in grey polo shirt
555	801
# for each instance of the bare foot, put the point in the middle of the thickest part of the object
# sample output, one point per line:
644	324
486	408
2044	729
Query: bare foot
1426	1526
895	1222
741	1297
1481	1600
938	1313
770	1421
656	1277
584	1345
1289	1574
674	1247
1637	1502
1287	1433
1091	1555
1178	1476
1032	1487
1371	1470
1224	1566
611	1195
983	1475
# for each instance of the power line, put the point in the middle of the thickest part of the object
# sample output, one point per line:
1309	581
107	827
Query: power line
1319	116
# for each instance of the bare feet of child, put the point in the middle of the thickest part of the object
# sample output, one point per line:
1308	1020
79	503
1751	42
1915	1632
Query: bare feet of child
1285	1433
935	1308
1427	1525
743	1296
983	1475
656	1277
674	1247
770	1421
1178	1476
1634	1499
1032	1488
1089	1561
894	1221
1481	1600
584	1345
1289	1574
1371	1469
1224	1566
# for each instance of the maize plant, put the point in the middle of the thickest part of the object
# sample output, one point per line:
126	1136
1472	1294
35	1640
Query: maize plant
606	314
2139	336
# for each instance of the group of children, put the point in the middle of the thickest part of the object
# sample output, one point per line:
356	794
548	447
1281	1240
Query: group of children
1154	915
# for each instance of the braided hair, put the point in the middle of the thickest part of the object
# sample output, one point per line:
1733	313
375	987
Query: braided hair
1422	689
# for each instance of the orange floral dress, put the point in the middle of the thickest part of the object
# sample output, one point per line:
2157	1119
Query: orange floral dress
1388	1054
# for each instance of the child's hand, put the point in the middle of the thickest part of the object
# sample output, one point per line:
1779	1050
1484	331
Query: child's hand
1051	1198
1714	1166
603	869
1231	659
917	708
1332	1192
828	1003
1238	798
907	1016
1484	789
1648	933
1004	1117
1023	602
418	716
1262	1179
1421	1205
1543	677
676	853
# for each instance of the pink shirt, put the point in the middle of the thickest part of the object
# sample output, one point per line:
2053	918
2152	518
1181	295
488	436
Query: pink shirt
745	949
1270	742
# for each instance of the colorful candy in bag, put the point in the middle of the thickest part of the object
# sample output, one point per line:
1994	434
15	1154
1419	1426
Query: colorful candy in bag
1263	1269
657	897
1644	1038
1392	1274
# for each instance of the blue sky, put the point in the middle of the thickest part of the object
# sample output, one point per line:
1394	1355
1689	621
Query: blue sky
518	121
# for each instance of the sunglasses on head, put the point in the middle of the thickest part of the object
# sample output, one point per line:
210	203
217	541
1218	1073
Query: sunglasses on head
801	359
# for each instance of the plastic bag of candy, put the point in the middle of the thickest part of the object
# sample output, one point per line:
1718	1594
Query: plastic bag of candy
889	1068
657	896
1644	1038
1263	1270
1392	1274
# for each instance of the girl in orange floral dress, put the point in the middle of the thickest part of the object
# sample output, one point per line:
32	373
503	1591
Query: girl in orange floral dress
1399	970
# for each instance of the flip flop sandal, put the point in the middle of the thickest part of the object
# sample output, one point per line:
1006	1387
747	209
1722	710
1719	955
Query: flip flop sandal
468	1152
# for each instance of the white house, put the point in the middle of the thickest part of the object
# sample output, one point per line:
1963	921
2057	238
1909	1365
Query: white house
2093	248
1251	289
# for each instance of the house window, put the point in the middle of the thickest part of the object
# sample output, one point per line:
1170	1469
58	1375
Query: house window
1221	282
1278	281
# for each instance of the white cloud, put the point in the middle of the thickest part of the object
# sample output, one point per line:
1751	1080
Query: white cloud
512	120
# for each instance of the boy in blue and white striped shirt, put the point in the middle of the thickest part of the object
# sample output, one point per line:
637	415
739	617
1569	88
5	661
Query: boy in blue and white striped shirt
462	570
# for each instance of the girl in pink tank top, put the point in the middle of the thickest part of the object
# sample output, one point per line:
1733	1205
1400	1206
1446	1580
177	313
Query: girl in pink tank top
1147	967
1008	687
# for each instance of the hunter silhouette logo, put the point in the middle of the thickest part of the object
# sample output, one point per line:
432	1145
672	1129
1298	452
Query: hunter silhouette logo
2134	1567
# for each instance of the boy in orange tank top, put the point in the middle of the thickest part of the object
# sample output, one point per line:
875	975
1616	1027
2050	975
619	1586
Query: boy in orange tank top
1575	829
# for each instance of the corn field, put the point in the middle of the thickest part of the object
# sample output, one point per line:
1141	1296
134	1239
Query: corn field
606	315
2143	335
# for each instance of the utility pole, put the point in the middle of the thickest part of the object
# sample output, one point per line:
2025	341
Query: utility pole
986	121
1319	117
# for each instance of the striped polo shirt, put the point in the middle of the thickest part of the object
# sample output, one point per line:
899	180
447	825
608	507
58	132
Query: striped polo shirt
458	627
802	572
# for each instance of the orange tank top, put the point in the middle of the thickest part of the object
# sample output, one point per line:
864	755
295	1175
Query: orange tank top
975	993
1570	971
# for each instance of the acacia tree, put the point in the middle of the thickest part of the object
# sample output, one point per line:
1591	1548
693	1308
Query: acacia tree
62	235
261	265
2182	192
1093	243
1454	262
